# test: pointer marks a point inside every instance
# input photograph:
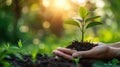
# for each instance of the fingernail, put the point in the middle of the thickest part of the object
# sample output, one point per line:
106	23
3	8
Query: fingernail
59	47
56	57
54	51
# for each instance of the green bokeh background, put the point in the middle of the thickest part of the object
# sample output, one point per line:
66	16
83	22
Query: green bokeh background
42	27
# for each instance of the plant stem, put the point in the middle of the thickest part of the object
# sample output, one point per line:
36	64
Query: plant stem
83	30
82	34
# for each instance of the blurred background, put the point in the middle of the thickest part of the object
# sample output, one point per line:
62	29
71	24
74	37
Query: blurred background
40	23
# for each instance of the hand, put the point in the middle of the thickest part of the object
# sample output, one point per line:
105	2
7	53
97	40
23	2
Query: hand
98	52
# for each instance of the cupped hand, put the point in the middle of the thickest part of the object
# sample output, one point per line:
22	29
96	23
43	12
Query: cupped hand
97	52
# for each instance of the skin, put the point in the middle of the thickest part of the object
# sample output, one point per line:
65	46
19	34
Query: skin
102	51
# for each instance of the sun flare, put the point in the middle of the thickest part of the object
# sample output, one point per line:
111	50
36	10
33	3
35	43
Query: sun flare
61	4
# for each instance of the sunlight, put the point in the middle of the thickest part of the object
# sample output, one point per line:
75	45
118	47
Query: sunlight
61	4
100	3
80	2
46	3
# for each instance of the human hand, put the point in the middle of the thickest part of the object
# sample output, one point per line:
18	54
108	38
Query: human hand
97	52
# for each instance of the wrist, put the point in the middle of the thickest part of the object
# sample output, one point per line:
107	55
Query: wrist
114	52
116	45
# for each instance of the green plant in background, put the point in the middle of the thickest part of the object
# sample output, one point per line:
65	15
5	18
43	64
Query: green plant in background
34	54
7	46
19	44
15	50
113	63
6	50
84	21
4	54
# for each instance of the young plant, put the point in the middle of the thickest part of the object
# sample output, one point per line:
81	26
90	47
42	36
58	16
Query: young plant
19	44
84	21
34	55
4	53
76	60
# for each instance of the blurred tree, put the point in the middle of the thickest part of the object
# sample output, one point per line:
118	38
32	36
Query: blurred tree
6	18
16	6
114	5
10	14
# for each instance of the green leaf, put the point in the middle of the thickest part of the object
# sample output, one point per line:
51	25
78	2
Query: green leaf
72	22
34	54
93	24
19	56
6	64
20	44
92	18
7	46
115	61
83	12
76	60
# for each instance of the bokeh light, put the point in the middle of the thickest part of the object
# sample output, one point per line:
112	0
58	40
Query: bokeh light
24	28
36	41
25	10
46	24
8	2
46	3
100	3
61	4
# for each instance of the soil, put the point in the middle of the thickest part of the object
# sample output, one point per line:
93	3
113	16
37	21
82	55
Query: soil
43	60
81	46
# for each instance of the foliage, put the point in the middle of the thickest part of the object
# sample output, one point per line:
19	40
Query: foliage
6	50
113	63
84	22
76	60
19	44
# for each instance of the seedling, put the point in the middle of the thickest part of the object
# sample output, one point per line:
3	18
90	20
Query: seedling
7	46
76	60
34	55
115	62
4	54
19	44
84	21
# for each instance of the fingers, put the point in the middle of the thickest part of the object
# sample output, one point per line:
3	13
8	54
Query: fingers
99	43
66	50
61	54
81	54
70	54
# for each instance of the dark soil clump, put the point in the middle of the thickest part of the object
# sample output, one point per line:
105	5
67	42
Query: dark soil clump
81	46
41	61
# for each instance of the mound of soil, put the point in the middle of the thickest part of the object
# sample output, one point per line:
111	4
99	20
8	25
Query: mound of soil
81	46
